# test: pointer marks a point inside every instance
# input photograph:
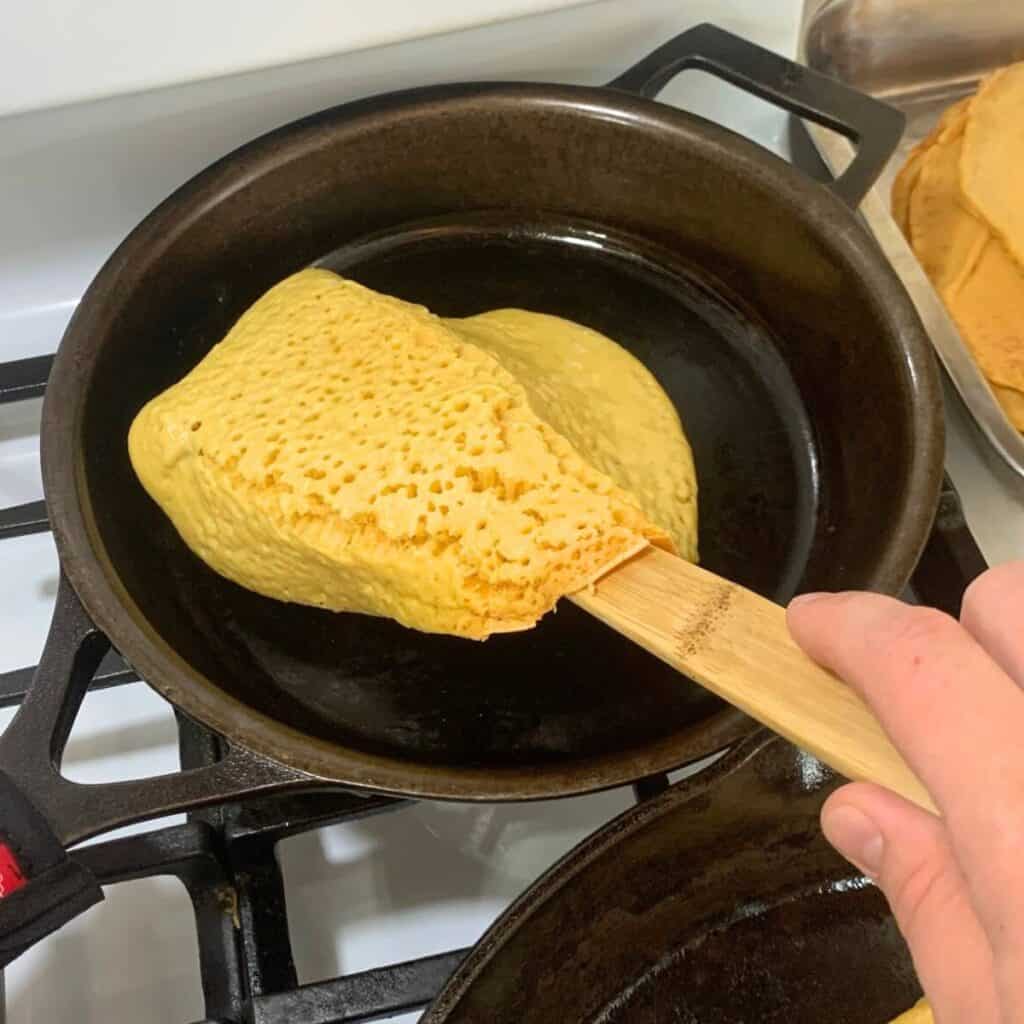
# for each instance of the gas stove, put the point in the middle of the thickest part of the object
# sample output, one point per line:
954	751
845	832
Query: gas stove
323	907
233	860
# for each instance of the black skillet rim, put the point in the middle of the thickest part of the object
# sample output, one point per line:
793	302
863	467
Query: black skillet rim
743	756
764	755
94	579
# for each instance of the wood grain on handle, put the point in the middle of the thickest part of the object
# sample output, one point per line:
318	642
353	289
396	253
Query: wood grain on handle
736	644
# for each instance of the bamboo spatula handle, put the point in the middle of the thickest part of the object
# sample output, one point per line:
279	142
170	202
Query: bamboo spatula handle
736	644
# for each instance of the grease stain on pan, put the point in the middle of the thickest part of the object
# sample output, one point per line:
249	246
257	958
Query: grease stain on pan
769	962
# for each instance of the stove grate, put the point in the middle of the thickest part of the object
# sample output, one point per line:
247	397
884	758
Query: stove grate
225	855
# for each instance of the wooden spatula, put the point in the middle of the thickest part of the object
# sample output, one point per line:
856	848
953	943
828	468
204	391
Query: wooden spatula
736	644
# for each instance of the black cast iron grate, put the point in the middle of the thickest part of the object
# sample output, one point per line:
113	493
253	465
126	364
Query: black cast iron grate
225	858
225	855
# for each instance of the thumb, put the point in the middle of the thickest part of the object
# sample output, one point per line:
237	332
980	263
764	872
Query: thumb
907	852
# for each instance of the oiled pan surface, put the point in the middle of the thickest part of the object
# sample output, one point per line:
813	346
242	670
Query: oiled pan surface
830	952
571	687
719	902
803	380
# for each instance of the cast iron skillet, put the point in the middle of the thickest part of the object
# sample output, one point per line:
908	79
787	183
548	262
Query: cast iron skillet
718	902
801	372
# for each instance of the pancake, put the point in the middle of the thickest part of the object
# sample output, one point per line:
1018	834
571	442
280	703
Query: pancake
993	155
606	403
957	201
346	450
919	1013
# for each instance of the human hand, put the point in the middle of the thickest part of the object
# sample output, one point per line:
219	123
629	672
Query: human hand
950	695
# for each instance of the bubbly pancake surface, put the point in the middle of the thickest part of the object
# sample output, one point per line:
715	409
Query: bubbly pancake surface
606	403
344	449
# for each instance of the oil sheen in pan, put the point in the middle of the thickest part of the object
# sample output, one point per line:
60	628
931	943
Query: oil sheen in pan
753	444
837	931
571	690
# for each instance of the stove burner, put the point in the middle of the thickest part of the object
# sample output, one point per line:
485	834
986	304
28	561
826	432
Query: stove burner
225	855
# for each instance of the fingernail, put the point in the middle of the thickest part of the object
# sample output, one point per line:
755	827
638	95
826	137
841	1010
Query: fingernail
855	836
802	599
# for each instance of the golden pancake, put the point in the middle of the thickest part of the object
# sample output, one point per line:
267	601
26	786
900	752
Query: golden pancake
908	176
919	1013
992	161
606	403
946	236
1012	402
988	307
346	450
958	202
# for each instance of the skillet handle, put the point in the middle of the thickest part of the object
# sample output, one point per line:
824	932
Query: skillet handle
873	127
42	887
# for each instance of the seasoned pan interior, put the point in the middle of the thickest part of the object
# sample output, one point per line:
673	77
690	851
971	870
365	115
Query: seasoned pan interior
718	903
788	375
827	952
571	686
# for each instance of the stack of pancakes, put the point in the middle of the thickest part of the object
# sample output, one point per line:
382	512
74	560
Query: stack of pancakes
960	201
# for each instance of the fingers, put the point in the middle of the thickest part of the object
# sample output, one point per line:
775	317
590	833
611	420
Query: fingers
956	717
992	611
907	852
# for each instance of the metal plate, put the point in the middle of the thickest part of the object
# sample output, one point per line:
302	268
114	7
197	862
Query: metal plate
921	56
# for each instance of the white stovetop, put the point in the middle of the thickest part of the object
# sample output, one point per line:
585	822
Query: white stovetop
64	51
73	181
